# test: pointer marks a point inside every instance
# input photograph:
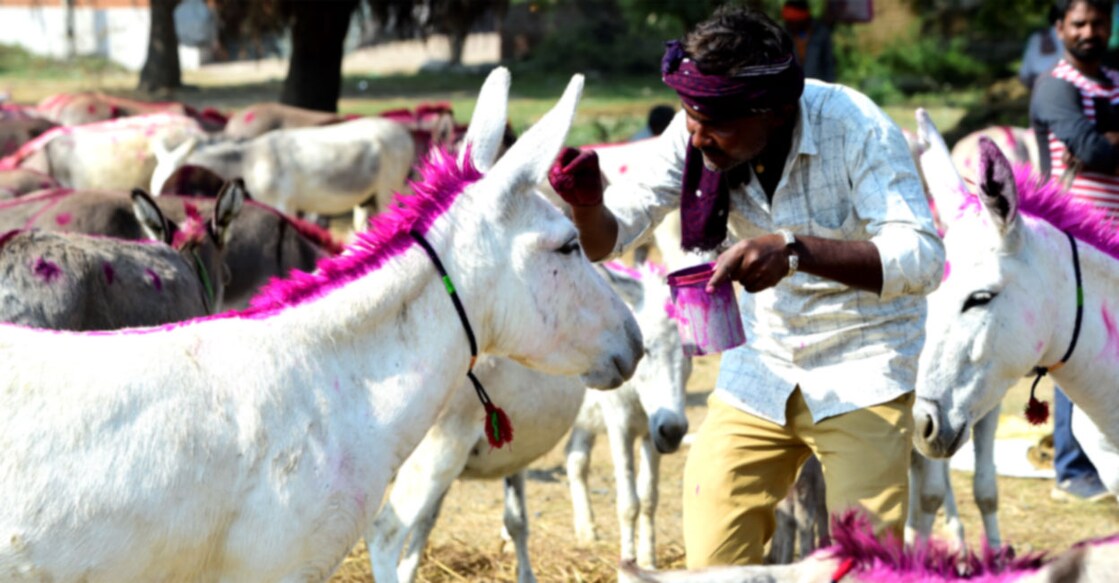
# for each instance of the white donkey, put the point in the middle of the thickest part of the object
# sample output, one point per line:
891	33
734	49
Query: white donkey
648	409
930	487
455	447
325	170
257	445
1029	287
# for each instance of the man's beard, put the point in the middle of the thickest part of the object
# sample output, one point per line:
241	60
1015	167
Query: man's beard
1090	53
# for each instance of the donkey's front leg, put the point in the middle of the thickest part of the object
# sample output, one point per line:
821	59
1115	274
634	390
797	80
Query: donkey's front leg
516	524
621	450
985	484
927	479
578	462
419	488
648	480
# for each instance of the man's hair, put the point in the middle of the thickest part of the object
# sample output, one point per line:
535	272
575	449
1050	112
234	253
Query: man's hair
735	38
1061	7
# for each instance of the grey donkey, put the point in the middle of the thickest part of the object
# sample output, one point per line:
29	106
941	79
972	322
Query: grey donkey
69	281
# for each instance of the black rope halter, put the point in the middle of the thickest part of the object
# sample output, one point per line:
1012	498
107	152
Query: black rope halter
499	430
1040	409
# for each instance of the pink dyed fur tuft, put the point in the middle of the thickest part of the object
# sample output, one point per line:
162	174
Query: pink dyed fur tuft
192	230
442	180
889	561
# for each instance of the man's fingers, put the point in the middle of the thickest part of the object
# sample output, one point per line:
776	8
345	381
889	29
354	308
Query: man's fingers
722	271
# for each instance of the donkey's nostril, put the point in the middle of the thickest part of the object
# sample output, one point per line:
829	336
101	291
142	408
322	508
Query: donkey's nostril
926	426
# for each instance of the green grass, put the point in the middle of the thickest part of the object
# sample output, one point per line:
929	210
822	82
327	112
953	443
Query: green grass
17	64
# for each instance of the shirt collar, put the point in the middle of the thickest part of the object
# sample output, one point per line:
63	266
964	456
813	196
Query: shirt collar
804	139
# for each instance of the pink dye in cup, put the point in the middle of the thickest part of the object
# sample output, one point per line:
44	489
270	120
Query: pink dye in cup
707	322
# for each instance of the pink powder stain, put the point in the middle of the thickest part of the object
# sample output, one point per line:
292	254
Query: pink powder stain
947	270
110	273
157	283
1030	318
47	271
91	108
623	169
249	117
1039	347
674	313
1112	345
63	219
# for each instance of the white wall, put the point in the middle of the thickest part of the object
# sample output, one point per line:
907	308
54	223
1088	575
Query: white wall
119	34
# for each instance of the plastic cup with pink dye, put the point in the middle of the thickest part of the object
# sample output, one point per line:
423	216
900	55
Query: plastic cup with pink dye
707	322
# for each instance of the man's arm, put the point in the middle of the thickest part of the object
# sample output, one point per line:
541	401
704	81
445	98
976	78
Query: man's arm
1055	105
761	262
598	230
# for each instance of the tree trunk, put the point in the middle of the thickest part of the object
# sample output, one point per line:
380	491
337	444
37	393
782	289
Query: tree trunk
318	32
161	69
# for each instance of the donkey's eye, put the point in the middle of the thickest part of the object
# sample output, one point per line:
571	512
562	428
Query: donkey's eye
569	247
979	298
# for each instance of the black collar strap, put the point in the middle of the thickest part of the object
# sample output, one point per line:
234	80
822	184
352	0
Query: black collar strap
499	430
1037	411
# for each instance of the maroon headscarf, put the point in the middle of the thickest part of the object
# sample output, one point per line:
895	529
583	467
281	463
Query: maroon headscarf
705	194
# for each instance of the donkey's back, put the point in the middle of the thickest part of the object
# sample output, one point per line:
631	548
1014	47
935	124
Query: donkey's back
78	282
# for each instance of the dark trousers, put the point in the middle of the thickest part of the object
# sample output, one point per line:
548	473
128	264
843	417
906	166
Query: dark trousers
1068	459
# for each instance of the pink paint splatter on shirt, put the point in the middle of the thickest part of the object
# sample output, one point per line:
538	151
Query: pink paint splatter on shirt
63	219
47	271
157	283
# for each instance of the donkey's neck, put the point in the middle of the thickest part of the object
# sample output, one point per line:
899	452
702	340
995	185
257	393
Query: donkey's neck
1089	375
393	333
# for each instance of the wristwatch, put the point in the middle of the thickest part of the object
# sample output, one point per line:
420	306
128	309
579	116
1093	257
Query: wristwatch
790	245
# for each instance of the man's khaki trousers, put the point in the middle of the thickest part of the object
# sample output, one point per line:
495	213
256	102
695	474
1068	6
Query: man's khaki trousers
740	466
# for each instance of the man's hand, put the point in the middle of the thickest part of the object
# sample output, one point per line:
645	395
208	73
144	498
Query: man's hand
757	263
575	176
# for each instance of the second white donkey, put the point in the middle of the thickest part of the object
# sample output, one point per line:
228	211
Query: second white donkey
456	447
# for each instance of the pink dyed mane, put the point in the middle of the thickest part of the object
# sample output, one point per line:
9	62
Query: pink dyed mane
889	561
1046	200
442	180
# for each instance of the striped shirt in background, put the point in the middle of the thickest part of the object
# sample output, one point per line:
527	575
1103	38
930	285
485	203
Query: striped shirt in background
849	176
1092	103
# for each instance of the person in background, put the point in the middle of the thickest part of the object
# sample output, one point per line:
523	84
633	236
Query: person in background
832	239
1074	111
1043	50
812	40
659	117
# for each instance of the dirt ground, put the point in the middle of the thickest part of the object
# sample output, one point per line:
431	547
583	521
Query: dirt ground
466	544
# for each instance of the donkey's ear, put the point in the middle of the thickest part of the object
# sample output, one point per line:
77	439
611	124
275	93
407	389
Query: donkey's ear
628	287
487	125
228	206
152	220
168	160
526	164
946	188
997	189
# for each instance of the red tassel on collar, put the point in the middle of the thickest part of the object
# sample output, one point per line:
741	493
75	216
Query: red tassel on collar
499	430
